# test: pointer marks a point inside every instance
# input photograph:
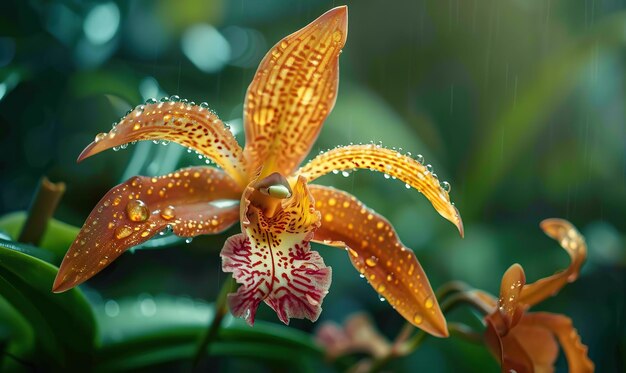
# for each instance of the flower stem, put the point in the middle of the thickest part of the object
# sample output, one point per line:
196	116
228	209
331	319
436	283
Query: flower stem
41	210
221	309
454	292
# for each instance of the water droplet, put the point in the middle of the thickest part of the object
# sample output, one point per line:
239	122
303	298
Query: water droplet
390	277
100	137
361	275
345	173
429	168
382	299
386	176
418	318
174	98
124	146
168	213
123	232
151	101
165	99
429	303
188	239
116	148
137	210
371	261
446	186
165	142
204	105
408	186
420	158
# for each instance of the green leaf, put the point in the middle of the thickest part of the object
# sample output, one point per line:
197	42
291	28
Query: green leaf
64	323
57	239
144	331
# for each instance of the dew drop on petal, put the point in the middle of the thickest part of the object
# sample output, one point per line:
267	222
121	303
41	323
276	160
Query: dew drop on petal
123	231
371	261
100	137
420	158
446	186
429	168
168	213
188	240
429	303
418	318
137	210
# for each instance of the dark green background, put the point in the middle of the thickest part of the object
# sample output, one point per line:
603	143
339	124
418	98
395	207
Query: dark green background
518	104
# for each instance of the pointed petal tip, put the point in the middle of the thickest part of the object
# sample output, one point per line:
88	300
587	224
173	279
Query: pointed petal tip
439	329
87	152
61	286
459	223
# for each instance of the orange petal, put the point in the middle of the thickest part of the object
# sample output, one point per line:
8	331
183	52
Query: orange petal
510	289
574	243
561	326
136	210
376	251
507	350
190	125
392	163
293	91
537	343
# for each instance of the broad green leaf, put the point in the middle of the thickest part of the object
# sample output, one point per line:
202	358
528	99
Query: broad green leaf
64	323
57	238
145	331
17	337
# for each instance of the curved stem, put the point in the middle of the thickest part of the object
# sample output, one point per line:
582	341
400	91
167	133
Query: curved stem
456	295
221	309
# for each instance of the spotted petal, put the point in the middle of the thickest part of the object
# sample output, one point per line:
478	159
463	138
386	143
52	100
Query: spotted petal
376	251
273	262
392	163
293	90
574	243
190	201
190	125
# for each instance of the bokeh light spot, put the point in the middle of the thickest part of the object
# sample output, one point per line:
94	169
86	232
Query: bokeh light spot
206	48
102	23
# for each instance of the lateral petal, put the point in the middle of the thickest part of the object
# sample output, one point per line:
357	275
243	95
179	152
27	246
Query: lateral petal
574	243
390	162
292	93
139	208
510	289
576	353
190	125
376	251
273	262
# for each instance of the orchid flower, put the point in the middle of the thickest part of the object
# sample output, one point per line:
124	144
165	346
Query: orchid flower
526	342
291	95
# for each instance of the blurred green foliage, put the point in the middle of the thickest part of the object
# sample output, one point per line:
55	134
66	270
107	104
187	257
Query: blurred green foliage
518	104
